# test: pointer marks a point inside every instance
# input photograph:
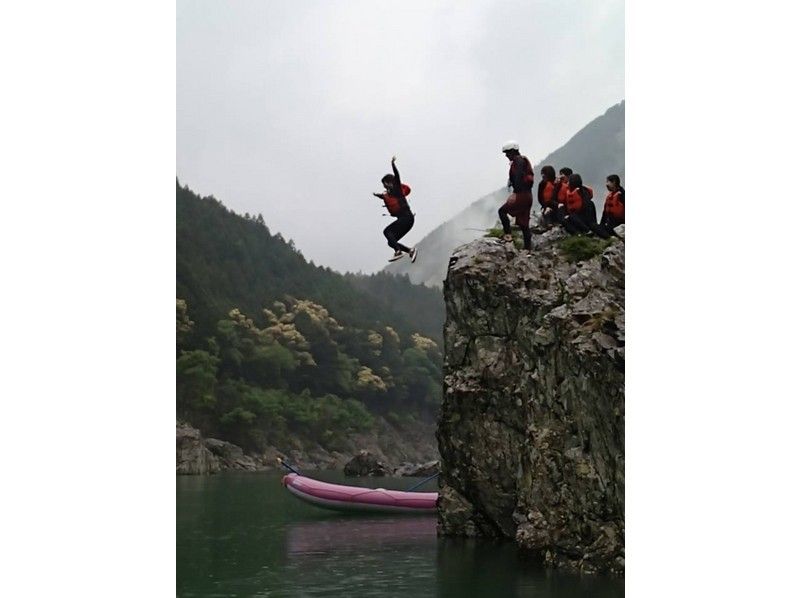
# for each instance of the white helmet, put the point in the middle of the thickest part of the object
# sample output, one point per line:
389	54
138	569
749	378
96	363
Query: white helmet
510	145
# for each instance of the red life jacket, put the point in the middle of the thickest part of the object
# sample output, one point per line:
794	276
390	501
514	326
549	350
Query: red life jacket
574	199
521	181
613	206
397	206
563	188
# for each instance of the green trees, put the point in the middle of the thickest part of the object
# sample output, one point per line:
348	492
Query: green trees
272	350
226	261
303	377
196	383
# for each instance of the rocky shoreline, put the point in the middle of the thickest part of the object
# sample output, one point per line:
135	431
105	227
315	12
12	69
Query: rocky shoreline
196	455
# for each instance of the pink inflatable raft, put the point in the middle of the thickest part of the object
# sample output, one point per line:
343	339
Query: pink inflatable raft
353	498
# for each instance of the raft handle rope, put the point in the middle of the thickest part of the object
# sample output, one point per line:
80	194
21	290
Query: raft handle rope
414	487
428	479
287	466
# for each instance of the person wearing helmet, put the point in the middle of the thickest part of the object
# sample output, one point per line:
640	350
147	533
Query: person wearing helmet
519	203
394	198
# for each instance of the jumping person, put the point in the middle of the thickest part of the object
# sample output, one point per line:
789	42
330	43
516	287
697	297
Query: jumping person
547	195
519	203
614	207
579	214
395	201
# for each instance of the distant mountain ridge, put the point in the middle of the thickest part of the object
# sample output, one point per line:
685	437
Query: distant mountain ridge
594	152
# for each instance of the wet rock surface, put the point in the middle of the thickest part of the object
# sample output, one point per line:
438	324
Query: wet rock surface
366	464
531	432
231	456
417	469
192	455
414	448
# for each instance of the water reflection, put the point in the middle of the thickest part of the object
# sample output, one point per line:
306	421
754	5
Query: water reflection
351	534
245	535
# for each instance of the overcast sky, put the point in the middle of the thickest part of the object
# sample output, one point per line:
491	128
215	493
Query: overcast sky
294	109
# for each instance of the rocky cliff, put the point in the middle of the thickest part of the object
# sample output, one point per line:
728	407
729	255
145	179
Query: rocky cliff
531	432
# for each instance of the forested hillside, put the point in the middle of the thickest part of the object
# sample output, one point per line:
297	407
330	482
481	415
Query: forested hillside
271	347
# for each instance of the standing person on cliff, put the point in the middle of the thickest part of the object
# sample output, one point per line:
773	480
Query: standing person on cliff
519	203
395	201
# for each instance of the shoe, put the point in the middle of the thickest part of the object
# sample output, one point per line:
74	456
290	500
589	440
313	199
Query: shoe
413	254
507	238
397	255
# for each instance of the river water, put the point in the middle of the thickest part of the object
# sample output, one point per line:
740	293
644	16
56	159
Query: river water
243	534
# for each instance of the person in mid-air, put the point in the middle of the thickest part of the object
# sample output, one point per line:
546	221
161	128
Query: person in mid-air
614	207
519	203
394	198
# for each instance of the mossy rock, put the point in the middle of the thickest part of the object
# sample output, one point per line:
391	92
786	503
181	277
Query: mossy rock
497	233
579	248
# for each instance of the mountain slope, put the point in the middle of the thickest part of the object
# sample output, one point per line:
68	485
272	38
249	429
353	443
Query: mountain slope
227	261
594	152
273	351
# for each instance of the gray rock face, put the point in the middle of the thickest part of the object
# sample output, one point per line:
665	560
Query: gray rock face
417	469
531	431
192	455
230	455
366	464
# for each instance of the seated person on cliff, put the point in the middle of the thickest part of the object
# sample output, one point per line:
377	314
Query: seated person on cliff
578	212
547	194
614	207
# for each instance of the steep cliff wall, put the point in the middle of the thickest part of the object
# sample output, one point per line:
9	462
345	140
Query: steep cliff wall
531	432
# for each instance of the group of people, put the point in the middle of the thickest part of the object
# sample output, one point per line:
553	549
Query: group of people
564	201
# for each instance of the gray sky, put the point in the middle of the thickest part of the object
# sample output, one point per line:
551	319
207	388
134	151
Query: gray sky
294	109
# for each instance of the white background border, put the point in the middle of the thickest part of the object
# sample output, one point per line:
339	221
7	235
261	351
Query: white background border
87	245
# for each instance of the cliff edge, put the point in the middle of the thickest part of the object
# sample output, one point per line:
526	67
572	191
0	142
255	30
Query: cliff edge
531	431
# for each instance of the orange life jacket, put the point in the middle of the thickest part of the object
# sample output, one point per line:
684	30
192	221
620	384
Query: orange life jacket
613	206
546	192
574	199
397	206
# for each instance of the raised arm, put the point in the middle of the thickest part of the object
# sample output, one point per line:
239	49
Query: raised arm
396	173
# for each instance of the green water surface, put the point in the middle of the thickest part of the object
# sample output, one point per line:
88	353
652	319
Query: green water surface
243	534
